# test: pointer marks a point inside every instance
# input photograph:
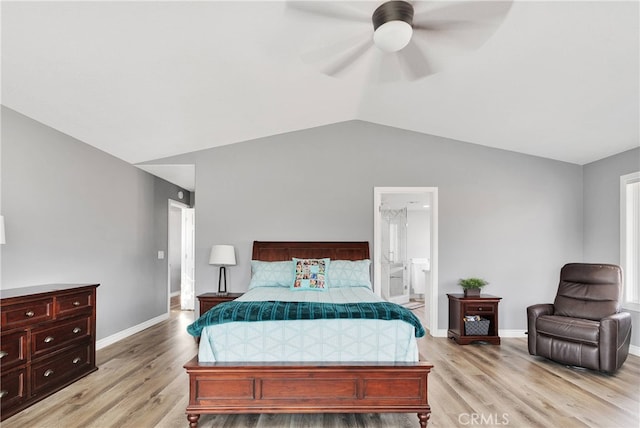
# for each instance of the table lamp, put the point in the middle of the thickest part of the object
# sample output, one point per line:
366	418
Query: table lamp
223	256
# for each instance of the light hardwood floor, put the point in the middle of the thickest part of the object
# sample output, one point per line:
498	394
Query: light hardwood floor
141	383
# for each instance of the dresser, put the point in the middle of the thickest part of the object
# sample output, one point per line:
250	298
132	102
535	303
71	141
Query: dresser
47	342
485	307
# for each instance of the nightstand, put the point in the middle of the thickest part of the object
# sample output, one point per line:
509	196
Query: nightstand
209	300
485	306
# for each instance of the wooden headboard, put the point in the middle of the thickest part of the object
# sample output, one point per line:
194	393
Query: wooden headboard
273	251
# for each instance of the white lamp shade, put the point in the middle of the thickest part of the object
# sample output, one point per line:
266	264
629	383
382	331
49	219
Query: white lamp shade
223	255
392	36
2	238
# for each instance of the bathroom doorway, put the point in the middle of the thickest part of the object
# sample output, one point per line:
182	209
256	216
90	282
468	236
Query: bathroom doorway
405	247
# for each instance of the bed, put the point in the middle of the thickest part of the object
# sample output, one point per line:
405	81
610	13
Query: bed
292	380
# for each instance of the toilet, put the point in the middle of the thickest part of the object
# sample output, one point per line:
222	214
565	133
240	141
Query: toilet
419	271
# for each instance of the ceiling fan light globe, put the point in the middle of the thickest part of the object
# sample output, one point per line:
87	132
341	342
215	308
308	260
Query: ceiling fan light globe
392	36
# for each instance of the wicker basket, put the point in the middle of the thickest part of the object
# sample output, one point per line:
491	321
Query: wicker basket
476	328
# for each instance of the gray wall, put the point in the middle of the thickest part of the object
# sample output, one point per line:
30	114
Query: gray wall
76	214
602	213
510	218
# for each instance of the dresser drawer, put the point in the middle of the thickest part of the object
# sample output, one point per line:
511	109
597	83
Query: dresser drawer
13	349
53	371
74	304
27	313
58	334
13	388
478	308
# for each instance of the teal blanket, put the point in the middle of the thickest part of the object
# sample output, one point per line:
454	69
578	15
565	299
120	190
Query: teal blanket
280	311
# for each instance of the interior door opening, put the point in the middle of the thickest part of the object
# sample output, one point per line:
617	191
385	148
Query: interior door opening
405	248
181	248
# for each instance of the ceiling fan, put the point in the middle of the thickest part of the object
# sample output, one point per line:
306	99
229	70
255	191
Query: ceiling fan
408	40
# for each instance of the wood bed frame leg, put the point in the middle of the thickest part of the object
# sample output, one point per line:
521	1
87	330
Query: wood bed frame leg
424	419
193	420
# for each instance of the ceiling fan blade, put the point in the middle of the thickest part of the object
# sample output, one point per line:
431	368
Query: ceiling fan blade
330	9
386	68
454	39
415	63
340	65
409	64
335	58
461	26
427	13
449	24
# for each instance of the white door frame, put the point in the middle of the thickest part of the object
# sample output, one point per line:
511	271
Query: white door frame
432	308
180	205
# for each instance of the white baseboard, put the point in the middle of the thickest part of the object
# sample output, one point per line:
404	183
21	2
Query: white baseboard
634	350
174	293
439	333
130	331
502	333
512	333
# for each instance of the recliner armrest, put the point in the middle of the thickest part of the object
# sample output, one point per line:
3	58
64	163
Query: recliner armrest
540	309
615	337
533	312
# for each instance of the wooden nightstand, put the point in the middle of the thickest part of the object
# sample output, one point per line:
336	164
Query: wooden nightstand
486	306
209	300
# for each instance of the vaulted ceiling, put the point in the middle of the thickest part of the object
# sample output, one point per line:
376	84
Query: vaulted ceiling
150	79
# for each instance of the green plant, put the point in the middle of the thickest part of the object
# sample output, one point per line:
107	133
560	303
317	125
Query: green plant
469	283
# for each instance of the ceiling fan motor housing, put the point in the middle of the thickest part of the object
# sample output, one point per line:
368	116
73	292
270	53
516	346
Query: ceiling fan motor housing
392	11
392	25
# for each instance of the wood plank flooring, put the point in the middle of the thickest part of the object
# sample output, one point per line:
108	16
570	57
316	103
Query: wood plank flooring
141	383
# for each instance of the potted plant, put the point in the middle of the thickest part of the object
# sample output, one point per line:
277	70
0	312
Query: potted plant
472	286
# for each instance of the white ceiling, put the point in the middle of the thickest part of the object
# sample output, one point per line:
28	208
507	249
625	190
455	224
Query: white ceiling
146	80
182	175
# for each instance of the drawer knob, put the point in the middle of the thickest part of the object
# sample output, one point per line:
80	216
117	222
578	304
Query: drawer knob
3	393
29	314
76	360
3	354
48	373
48	339
479	309
76	330
76	303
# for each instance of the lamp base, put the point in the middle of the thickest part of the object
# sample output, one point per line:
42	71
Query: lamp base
222	281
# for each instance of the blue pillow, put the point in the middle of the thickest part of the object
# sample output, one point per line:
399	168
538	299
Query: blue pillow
310	274
271	274
347	273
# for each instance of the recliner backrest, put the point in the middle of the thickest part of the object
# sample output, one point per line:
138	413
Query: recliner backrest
589	291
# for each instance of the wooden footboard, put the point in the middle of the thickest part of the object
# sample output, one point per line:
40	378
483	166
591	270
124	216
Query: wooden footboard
227	388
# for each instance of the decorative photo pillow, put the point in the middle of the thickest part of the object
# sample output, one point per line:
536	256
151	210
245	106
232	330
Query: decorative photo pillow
310	274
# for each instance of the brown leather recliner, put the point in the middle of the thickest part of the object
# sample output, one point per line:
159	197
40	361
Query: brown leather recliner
584	326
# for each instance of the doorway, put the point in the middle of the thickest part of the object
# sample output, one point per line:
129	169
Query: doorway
181	248
406	247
